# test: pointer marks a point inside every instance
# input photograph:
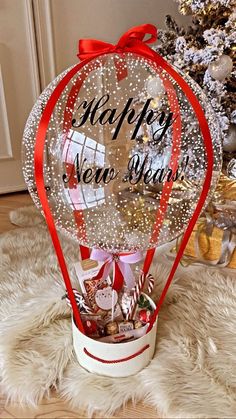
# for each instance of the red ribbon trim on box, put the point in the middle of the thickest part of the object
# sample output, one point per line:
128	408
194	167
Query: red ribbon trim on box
116	361
131	41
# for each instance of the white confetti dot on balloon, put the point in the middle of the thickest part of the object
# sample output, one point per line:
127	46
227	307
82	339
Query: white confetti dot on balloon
155	87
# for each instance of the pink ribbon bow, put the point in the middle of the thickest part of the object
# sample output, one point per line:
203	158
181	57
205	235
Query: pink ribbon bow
121	266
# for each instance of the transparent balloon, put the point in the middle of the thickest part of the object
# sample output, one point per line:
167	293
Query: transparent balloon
124	155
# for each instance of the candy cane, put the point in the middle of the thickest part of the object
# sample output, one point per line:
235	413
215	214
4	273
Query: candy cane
151	281
79	301
135	297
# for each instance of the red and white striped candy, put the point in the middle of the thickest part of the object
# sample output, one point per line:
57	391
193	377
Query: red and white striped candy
135	297
83	307
137	291
150	279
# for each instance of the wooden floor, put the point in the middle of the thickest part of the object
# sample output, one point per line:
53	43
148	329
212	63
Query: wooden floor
8	203
54	407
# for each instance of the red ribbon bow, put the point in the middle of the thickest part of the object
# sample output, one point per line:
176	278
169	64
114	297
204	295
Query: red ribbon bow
132	40
120	264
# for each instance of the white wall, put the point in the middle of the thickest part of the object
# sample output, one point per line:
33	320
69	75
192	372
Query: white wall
19	86
101	19
56	25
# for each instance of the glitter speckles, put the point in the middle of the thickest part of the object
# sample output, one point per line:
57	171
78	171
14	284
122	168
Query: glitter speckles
119	214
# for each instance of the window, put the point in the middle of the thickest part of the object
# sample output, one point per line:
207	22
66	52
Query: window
82	196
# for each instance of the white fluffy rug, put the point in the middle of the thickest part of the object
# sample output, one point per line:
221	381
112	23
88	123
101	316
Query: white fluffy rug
193	373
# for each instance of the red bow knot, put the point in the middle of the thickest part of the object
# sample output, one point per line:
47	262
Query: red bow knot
131	41
119	263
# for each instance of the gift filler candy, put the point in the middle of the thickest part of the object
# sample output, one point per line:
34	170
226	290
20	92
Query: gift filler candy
117	359
121	152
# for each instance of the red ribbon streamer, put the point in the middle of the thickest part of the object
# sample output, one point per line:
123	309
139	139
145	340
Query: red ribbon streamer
39	180
207	182
167	188
78	214
131	41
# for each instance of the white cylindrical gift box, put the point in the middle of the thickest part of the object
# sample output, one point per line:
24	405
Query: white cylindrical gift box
114	359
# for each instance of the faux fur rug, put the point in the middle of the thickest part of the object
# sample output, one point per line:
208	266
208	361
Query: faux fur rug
193	373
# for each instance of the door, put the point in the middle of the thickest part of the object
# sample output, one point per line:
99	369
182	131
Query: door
19	86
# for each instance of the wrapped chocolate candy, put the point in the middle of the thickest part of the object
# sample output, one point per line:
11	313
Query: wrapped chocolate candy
144	316
111	328
125	336
93	325
90	327
125	326
137	324
143	310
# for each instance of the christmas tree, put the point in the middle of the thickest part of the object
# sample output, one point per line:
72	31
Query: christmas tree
205	51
